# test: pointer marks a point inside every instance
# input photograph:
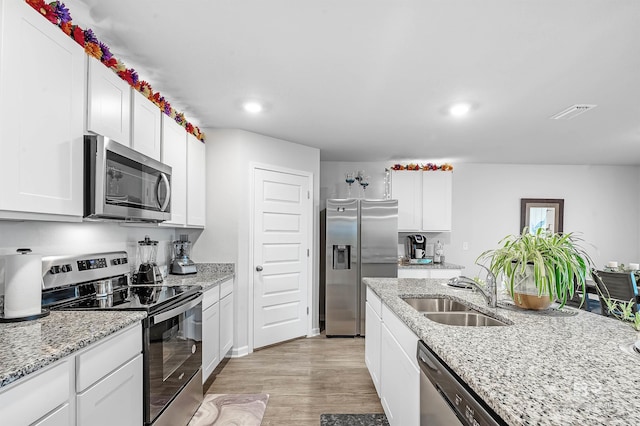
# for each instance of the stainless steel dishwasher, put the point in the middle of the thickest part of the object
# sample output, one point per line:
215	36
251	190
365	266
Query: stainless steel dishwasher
446	400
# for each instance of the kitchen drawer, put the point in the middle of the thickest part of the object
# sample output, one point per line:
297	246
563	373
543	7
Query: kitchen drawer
210	296
226	288
107	355
374	301
36	395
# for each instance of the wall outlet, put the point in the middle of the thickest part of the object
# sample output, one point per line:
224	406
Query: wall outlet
465	246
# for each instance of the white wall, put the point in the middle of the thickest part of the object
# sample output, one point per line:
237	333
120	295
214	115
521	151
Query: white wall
226	238
57	238
601	204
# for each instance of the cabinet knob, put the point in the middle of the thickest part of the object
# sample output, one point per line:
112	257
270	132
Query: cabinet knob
259	268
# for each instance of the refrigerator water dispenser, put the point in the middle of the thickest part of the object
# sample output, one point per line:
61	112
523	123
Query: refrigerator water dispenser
341	257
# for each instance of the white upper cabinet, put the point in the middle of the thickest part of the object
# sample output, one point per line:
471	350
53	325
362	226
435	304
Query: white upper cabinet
196	176
406	187
108	103
42	92
424	200
174	154
146	126
437	190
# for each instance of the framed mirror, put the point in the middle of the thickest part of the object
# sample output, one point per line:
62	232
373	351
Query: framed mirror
546	213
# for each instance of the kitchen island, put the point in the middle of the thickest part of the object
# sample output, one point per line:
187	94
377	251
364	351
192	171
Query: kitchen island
568	368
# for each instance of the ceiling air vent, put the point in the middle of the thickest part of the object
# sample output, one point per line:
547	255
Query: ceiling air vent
572	112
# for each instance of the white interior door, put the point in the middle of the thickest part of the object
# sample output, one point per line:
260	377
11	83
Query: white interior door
282	237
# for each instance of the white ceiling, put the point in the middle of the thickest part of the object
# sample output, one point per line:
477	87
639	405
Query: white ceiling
371	80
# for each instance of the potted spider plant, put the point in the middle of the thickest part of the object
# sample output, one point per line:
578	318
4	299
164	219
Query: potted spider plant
540	267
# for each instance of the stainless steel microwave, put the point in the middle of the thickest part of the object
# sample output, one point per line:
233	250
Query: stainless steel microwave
123	184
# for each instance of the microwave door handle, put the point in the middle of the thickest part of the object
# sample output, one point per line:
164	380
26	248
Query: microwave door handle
164	179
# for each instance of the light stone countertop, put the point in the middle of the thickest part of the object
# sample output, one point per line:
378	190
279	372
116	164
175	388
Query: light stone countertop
208	275
28	346
541	369
432	265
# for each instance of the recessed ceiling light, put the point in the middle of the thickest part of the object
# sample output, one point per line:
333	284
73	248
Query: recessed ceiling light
252	107
459	110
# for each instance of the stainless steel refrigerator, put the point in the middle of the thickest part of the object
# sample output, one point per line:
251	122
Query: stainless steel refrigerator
361	240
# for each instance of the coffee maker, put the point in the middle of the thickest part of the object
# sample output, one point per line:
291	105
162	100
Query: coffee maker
415	247
148	271
181	264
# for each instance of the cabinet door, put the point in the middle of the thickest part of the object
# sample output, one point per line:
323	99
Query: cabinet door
108	103
115	400
42	86
372	345
146	126
60	417
174	153
210	340
406	187
37	394
226	324
436	201
400	393
196	177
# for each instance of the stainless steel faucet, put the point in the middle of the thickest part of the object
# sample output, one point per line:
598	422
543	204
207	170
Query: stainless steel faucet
490	294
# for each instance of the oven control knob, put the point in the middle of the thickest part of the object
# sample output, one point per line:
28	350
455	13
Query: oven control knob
65	268
54	269
193	349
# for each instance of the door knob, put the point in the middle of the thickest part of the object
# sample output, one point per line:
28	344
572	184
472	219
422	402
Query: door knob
259	268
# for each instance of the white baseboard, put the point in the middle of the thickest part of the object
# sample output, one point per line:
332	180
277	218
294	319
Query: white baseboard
239	352
314	332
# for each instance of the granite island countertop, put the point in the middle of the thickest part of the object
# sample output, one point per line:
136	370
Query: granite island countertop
28	346
575	368
208	275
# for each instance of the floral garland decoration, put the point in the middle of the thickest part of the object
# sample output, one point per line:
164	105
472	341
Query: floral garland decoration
424	167
57	13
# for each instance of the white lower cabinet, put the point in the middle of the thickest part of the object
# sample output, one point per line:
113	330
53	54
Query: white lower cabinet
99	385
428	273
226	317
39	396
114	400
210	331
390	355
59	417
373	329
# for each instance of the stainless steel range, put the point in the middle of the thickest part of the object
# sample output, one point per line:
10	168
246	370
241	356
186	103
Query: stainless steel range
172	333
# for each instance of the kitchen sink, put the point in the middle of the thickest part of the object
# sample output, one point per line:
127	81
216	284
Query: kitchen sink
436	304
466	319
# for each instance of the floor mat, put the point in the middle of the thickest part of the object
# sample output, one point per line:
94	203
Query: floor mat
231	410
353	420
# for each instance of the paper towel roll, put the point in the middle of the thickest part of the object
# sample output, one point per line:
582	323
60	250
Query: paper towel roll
22	285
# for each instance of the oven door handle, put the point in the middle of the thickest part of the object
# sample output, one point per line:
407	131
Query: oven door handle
163	316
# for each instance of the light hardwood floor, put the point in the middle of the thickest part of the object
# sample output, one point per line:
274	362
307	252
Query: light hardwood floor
304	378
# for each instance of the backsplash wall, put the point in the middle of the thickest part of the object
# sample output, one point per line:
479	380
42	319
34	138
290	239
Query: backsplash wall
58	238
